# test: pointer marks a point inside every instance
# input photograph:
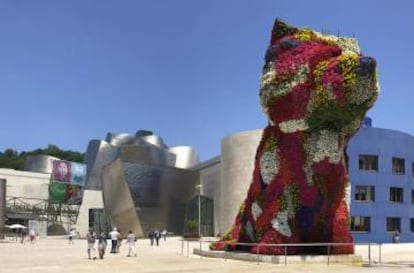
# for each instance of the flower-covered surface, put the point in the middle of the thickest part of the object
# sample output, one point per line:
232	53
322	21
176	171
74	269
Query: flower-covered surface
315	90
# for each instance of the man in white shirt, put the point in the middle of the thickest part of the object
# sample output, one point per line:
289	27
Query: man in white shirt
114	234
131	244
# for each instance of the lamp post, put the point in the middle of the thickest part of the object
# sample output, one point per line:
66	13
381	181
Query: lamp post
199	209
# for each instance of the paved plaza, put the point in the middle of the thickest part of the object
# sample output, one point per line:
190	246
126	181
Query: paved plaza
56	255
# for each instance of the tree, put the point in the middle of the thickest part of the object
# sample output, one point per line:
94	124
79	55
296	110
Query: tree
11	159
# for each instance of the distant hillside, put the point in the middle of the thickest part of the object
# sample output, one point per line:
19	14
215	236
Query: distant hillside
13	160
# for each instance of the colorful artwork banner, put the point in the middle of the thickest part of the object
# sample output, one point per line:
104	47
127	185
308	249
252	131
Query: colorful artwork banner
61	171
57	192
74	194
77	173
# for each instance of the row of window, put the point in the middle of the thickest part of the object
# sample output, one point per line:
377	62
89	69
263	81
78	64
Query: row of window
367	194
370	163
363	223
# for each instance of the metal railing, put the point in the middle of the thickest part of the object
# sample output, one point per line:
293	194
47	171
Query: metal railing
328	246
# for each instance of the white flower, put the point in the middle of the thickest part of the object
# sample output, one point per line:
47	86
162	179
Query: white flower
293	125
268	76
288	195
347	197
269	90
249	230
321	145
280	224
269	165
365	89
324	144
256	210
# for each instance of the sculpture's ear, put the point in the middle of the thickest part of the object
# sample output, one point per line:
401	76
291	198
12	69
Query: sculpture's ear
281	29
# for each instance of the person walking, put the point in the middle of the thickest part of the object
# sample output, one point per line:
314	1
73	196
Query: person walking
131	239
164	233
157	236
72	234
32	236
151	237
102	245
114	234
90	239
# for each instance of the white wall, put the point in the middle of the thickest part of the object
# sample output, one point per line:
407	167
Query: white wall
92	199
26	184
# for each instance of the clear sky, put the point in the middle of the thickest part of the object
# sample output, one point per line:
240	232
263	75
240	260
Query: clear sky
188	70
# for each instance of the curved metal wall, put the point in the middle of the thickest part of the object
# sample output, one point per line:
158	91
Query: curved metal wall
39	163
98	154
155	194
386	144
186	157
237	162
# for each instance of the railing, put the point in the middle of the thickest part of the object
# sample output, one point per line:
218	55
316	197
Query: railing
285	247
42	209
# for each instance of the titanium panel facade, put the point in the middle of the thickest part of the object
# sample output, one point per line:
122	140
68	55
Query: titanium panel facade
156	195
146	185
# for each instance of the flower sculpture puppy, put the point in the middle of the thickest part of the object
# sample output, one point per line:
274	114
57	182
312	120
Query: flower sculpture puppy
315	90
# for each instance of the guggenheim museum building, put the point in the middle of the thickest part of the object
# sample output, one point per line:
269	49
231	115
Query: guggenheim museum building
136	182
145	185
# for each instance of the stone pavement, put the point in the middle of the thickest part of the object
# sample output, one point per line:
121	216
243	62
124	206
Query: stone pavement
56	255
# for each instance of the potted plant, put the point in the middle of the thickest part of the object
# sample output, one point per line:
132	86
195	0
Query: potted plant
191	230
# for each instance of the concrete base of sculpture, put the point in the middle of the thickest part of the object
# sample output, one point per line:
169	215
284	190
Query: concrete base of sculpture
281	259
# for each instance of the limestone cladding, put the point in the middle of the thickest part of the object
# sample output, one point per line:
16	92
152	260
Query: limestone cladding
237	162
26	184
92	199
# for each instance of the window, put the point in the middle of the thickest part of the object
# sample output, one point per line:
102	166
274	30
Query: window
398	166
412	224
396	195
412	197
393	224
365	193
360	223
368	163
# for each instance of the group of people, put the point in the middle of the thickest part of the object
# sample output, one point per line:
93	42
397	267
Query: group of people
32	237
156	236
116	240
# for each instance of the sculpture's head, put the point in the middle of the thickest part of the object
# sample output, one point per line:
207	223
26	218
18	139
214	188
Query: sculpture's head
314	81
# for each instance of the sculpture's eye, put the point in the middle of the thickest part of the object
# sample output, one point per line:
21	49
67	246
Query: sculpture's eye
288	43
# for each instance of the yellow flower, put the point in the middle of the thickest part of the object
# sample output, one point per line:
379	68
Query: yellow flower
322	97
348	62
305	34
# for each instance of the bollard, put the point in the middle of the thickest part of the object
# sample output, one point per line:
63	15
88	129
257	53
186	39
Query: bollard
182	247
200	250
379	249
258	246
188	249
329	251
369	254
285	255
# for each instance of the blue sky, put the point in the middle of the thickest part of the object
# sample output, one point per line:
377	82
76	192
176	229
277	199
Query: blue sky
188	70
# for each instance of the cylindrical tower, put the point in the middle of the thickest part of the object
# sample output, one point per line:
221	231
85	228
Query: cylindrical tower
237	162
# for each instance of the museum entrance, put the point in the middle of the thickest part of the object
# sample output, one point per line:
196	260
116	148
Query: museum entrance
99	221
206	219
